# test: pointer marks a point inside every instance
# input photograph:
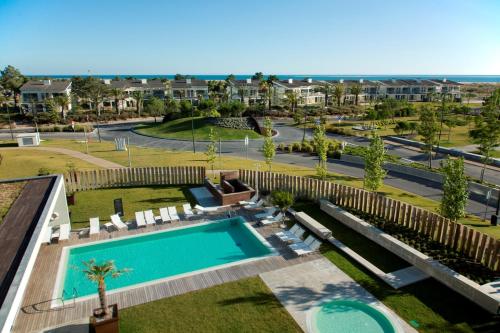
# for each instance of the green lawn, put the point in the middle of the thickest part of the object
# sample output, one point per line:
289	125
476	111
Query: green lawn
181	129
8	194
100	202
434	306
243	306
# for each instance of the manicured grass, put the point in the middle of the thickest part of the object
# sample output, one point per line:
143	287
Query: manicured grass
434	306
243	306
147	157
22	163
100	202
181	129
8	194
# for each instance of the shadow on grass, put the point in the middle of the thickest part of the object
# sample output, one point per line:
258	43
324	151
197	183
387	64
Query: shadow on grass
8	144
260	298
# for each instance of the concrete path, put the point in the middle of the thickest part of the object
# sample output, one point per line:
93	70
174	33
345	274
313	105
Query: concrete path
300	287
100	162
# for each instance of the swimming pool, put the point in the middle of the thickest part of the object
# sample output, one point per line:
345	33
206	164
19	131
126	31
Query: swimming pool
349	316
161	255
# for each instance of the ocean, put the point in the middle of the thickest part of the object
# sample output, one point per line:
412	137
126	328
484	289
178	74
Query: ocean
458	78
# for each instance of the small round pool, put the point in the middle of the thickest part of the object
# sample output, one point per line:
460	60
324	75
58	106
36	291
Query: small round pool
348	316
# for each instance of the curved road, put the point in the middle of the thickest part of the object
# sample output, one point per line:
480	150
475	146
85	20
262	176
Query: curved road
289	134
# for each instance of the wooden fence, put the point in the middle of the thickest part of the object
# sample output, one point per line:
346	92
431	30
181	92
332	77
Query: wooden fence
109	178
468	241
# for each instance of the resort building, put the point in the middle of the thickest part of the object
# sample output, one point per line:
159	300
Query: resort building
246	91
35	93
148	88
189	89
306	90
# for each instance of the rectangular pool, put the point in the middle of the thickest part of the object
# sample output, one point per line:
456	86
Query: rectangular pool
161	255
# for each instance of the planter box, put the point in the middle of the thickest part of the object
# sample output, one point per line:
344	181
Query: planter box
110	325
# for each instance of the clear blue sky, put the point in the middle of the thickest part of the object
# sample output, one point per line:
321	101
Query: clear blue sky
236	36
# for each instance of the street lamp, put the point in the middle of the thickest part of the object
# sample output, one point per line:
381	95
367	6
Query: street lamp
192	129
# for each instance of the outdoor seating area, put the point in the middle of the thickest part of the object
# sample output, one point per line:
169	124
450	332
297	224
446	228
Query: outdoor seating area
231	190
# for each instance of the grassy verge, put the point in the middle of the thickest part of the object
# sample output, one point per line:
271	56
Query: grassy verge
243	306
100	202
8	194
433	306
181	129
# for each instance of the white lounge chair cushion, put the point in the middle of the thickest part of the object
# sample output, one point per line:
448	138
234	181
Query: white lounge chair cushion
64	230
149	216
117	222
172	211
165	217
139	219
94	226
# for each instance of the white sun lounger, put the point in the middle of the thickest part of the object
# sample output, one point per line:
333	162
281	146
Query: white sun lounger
117	222
165	217
188	212
150	217
139	219
206	209
310	245
272	220
47	236
172	211
95	226
292	235
252	200
255	205
64	230
267	214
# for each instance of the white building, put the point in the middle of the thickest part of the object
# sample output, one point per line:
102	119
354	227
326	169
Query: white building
306	90
189	89
246	91
35	93
149	88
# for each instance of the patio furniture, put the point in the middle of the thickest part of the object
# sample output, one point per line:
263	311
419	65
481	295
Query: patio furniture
165	217
64	230
47	236
140	221
257	204
117	222
188	212
252	200
272	220
95	227
150	217
310	245
172	211
267	214
206	209
293	235
109	226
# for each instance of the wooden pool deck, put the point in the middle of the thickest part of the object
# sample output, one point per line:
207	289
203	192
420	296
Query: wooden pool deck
36	313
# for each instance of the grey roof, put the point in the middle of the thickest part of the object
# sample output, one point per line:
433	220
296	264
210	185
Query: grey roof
244	83
296	83
126	84
182	84
47	86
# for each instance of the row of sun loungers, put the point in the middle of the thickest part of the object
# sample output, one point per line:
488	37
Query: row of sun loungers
294	241
54	234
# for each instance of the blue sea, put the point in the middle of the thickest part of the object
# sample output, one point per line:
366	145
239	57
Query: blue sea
458	78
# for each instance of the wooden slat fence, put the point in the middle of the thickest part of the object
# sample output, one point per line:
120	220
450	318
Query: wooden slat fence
126	177
466	240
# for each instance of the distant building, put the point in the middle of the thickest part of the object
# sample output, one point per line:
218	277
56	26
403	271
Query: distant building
149	88
34	93
246	91
189	89
306	90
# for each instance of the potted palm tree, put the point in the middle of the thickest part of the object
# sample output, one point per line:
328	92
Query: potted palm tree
284	200
105	318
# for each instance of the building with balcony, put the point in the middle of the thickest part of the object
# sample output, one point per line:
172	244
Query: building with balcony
246	91
35	93
189	89
306	90
149	88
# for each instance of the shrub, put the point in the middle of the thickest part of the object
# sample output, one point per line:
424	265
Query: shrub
45	171
288	148
297	146
281	147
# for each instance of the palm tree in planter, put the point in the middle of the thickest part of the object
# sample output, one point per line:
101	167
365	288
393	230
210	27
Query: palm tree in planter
284	200
98	274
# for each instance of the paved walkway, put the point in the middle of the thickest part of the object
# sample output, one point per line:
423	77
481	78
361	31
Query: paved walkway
100	162
300	287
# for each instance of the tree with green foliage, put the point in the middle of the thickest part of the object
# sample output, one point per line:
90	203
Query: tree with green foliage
338	92
374	164
326	89
292	99
268	149
321	145
282	199
451	123
155	107
455	189
11	79
486	134
98	273
118	97
356	90
63	102
428	130
258	76
138	96
211	152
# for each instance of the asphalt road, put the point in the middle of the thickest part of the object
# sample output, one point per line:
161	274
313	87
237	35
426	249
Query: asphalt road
288	134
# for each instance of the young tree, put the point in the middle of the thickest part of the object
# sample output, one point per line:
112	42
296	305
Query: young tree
117	94
374	160
321	145
486	134
292	99
282	199
450	123
139	100
63	102
98	274
338	92
211	150
455	189
428	129
356	90
268	149
155	106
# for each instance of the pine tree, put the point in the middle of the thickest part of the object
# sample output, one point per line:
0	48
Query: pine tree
268	149
321	145
455	189
374	160
428	130
211	149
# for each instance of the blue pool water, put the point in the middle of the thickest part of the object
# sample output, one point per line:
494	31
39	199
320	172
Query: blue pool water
345	316
165	254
